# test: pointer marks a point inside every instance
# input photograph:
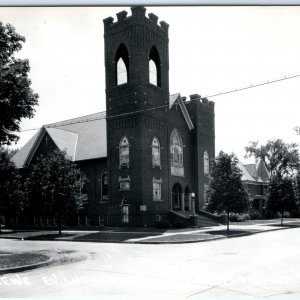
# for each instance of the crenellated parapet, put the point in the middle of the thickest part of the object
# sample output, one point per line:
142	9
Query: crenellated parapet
202	100
138	15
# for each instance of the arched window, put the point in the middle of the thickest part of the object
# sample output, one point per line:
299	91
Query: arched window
154	67
156	189
104	186
121	71
206	162
124	151
155	152
122	65
152	72
176	149
83	189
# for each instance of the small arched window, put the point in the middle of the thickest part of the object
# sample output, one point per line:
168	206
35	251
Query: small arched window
124	152
83	189
104	186
176	149
155	152
154	67
122	65
206	162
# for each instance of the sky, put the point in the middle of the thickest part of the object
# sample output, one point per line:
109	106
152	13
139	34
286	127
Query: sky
212	49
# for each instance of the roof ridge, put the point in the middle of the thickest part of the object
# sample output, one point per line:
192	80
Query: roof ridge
58	128
68	120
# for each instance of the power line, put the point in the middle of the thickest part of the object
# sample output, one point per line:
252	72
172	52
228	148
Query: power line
255	85
166	105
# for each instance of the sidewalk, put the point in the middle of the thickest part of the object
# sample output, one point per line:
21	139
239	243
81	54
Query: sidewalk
21	261
153	235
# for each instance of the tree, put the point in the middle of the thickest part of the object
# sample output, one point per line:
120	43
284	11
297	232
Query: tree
281	197
227	193
10	187
16	97
278	156
52	186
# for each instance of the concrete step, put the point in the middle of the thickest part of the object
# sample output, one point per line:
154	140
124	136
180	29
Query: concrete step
186	218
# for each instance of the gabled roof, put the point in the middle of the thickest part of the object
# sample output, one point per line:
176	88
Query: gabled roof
251	168
176	98
254	173
64	140
82	138
262	171
246	176
91	132
21	156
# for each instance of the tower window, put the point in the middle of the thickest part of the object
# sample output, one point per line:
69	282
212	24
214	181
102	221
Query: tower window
156	189
155	152
154	67
206	162
152	72
176	149
124	151
122	65
124	183
121	72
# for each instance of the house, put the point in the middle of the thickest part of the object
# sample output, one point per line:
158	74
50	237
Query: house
256	180
150	151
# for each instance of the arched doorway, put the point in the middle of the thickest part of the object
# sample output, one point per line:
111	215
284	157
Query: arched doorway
187	205
176	196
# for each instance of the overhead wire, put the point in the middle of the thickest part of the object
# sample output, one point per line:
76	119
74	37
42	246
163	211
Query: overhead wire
267	82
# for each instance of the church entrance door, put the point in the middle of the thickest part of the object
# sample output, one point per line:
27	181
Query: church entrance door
177	196
187	205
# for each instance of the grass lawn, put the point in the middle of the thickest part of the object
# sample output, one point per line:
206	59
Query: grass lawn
231	232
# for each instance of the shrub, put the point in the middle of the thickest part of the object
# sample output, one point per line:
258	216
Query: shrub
254	214
162	224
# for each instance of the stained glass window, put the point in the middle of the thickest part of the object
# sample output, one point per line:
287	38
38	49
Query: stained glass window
206	163
176	149
124	183
155	152
124	152
156	189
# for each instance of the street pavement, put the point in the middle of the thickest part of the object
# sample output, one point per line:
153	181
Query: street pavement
260	266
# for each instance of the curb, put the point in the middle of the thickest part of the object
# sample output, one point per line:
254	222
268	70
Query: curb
27	267
50	261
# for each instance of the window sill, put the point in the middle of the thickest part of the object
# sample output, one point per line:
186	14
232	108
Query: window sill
157	200
124	166
156	167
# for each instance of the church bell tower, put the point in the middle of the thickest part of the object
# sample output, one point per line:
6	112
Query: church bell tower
137	99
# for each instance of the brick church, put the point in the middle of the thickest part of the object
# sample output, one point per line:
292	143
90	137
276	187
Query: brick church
145	157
